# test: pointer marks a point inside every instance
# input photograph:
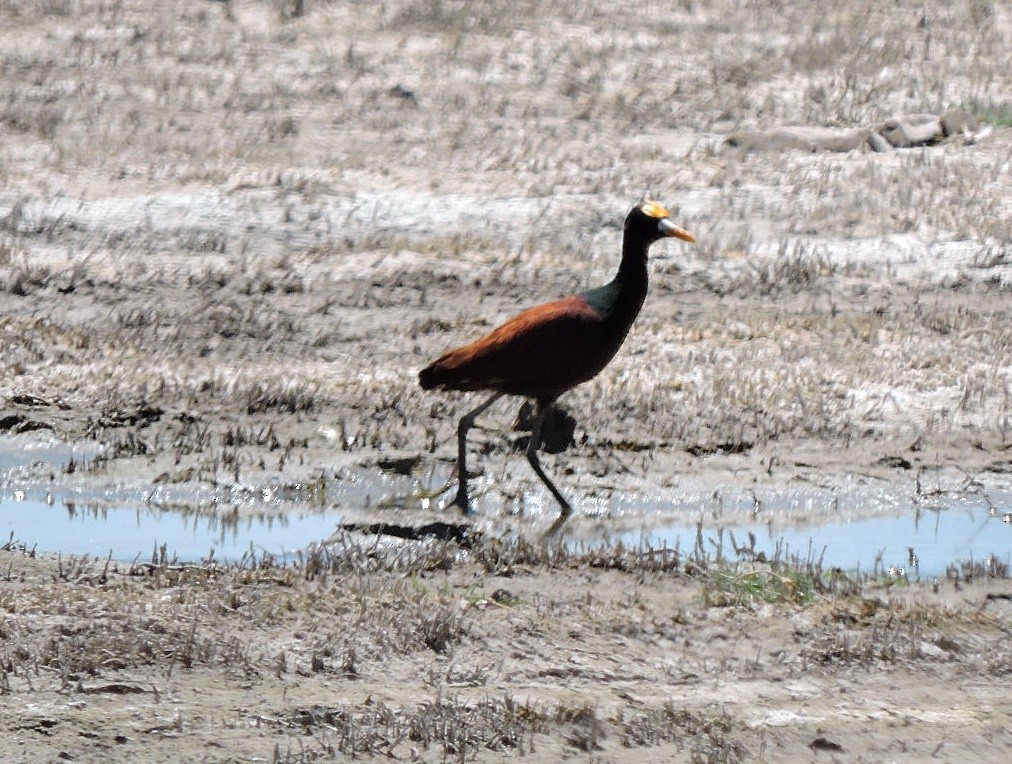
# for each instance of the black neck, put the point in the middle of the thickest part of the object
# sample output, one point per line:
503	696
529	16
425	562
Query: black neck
620	300
631	278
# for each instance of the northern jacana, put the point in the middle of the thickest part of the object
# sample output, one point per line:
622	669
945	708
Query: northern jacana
549	349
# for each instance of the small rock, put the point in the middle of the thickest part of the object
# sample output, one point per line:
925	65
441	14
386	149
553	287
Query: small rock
16	422
824	744
503	597
912	130
958	122
897	462
399	91
399	464
801	138
111	688
929	650
878	143
739	330
26	399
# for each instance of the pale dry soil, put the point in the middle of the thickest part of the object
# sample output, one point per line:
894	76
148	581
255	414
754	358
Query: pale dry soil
478	657
230	235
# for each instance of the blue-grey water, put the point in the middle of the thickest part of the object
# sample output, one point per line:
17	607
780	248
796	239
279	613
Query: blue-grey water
918	545
135	533
868	527
937	538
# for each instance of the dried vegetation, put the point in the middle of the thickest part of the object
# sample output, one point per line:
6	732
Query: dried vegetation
514	649
811	314
231	232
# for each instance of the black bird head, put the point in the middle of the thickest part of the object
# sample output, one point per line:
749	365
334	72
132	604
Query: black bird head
649	221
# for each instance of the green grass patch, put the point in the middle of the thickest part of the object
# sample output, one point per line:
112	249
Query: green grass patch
727	587
990	113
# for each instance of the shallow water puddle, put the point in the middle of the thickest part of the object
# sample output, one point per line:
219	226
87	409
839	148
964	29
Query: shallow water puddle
30	449
907	545
916	545
134	534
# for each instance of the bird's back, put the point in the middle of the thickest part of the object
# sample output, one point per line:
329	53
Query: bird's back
540	353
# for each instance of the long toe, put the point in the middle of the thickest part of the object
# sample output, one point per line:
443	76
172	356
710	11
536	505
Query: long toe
556	527
461	502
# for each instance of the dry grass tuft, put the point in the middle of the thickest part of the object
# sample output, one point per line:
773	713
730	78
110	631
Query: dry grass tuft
704	738
451	728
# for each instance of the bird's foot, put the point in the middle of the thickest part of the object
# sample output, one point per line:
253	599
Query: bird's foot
557	525
552	532
461	502
427	494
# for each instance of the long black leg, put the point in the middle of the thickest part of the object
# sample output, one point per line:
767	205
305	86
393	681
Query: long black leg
466	423
532	457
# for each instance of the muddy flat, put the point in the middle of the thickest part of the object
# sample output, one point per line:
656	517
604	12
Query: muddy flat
232	233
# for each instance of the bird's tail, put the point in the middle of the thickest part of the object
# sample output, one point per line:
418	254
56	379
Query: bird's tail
449	372
430	377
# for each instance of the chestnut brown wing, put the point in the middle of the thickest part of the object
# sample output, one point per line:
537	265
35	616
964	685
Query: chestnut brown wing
540	353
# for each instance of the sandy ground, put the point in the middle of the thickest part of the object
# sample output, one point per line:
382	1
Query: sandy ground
231	233
619	659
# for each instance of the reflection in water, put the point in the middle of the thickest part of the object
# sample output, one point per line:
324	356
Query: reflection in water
921	544
917	544
137	533
27	450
